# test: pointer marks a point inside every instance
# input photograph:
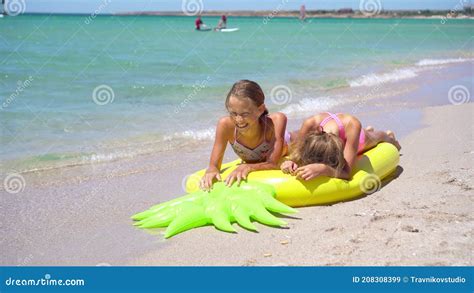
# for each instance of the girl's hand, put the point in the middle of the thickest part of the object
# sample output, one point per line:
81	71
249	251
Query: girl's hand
208	178
311	171
289	167
238	174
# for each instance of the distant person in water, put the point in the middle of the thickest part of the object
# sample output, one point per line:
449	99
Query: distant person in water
222	23
303	13
198	22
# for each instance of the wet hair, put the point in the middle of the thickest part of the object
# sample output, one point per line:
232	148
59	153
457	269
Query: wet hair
247	89
324	148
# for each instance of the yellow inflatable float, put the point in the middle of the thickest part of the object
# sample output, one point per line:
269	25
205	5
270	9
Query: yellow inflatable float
264	193
371	167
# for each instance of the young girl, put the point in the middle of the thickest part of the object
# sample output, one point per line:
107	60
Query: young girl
256	137
327	145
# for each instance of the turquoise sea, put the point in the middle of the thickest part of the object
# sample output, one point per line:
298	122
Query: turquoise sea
83	89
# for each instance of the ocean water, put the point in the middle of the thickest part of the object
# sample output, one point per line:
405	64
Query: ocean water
80	90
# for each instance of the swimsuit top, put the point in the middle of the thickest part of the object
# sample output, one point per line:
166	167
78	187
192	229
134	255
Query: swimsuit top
342	132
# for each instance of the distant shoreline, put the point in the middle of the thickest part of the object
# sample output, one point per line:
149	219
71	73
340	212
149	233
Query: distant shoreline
414	14
320	14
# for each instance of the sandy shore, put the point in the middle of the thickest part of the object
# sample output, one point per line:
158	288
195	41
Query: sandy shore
423	217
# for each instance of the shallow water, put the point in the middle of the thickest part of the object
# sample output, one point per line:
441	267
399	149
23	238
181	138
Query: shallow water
75	92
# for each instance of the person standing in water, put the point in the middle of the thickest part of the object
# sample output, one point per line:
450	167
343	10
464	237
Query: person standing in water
303	13
222	23
198	22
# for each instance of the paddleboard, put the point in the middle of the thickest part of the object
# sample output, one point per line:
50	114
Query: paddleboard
228	30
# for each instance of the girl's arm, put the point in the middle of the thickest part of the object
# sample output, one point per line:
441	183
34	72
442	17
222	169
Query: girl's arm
217	155
353	130
307	126
241	172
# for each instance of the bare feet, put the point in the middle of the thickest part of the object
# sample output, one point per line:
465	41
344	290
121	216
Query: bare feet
393	141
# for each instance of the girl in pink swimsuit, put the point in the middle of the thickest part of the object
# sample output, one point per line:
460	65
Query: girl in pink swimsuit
328	144
257	137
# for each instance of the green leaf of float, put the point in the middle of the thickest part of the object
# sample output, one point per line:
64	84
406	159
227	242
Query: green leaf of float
220	207
219	215
167	212
275	206
144	215
253	203
221	221
242	217
158	220
259	213
193	197
190	216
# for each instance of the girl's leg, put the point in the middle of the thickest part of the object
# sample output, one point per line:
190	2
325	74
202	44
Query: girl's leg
374	137
392	136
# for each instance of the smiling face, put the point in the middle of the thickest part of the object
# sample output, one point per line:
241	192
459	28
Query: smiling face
244	113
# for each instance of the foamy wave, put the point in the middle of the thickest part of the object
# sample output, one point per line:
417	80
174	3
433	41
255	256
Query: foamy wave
431	62
313	105
203	134
375	79
113	151
35	164
403	73
107	157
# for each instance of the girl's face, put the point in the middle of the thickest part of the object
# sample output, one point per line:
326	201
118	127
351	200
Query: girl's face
244	113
